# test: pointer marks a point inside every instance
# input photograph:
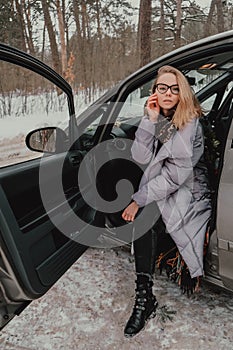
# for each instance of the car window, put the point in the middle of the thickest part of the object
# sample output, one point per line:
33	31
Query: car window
27	101
201	77
208	103
228	90
198	79
134	104
91	125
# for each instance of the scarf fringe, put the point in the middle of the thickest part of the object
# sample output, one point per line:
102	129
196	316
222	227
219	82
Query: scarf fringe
177	270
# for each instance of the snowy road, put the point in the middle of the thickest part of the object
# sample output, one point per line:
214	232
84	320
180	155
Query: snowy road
87	310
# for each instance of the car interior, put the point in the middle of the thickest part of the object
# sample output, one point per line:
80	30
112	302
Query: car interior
211	79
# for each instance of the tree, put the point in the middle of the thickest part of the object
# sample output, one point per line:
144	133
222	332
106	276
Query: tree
220	17
61	24
10	29
79	14
19	9
97	37
178	24
215	5
178	21
162	25
144	31
52	36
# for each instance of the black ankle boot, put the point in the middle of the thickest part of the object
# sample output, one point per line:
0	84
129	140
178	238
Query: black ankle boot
144	309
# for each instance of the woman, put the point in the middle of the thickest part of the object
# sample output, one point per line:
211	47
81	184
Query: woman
170	140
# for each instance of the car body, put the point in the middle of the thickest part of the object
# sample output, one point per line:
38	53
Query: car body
41	198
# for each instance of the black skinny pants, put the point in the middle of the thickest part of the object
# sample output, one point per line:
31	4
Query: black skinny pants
145	246
145	253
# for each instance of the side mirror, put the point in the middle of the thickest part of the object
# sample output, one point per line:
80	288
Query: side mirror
47	140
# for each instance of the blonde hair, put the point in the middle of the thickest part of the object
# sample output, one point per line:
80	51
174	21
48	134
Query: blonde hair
188	106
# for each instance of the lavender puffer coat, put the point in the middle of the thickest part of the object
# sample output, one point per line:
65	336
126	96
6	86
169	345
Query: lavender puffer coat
175	178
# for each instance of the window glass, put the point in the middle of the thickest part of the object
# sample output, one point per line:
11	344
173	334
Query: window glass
93	121
208	104
134	104
199	78
27	101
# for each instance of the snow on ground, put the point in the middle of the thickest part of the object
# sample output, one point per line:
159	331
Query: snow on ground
88	307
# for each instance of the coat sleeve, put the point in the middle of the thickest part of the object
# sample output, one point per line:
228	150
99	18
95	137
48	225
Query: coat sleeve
144	143
176	170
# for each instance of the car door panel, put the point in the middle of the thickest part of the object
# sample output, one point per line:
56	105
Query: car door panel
28	233
34	252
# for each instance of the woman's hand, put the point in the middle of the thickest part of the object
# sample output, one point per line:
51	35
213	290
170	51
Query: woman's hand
130	212
152	108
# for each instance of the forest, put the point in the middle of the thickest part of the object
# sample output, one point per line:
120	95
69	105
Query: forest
95	43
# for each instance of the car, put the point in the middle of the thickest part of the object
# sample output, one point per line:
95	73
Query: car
61	184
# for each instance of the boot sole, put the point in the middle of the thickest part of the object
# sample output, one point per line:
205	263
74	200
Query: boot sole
151	315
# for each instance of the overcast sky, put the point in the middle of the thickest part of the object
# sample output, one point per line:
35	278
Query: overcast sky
202	3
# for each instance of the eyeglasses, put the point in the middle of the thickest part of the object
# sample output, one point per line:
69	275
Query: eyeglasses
163	88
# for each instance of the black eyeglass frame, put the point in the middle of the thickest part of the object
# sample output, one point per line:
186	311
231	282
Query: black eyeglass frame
174	92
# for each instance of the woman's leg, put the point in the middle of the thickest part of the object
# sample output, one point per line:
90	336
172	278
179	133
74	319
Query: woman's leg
145	253
145	302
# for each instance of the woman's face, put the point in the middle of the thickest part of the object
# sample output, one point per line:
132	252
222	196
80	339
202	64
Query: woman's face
167	100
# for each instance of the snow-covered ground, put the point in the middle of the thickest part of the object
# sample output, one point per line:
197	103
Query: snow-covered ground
88	307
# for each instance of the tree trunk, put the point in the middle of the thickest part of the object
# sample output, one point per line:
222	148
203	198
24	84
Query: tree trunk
22	25
80	49
144	31
220	17
52	37
99	32
43	43
27	10
210	17
62	37
97	50
66	25
178	24
162	27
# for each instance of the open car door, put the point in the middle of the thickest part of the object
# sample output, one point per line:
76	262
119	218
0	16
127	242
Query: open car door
34	254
